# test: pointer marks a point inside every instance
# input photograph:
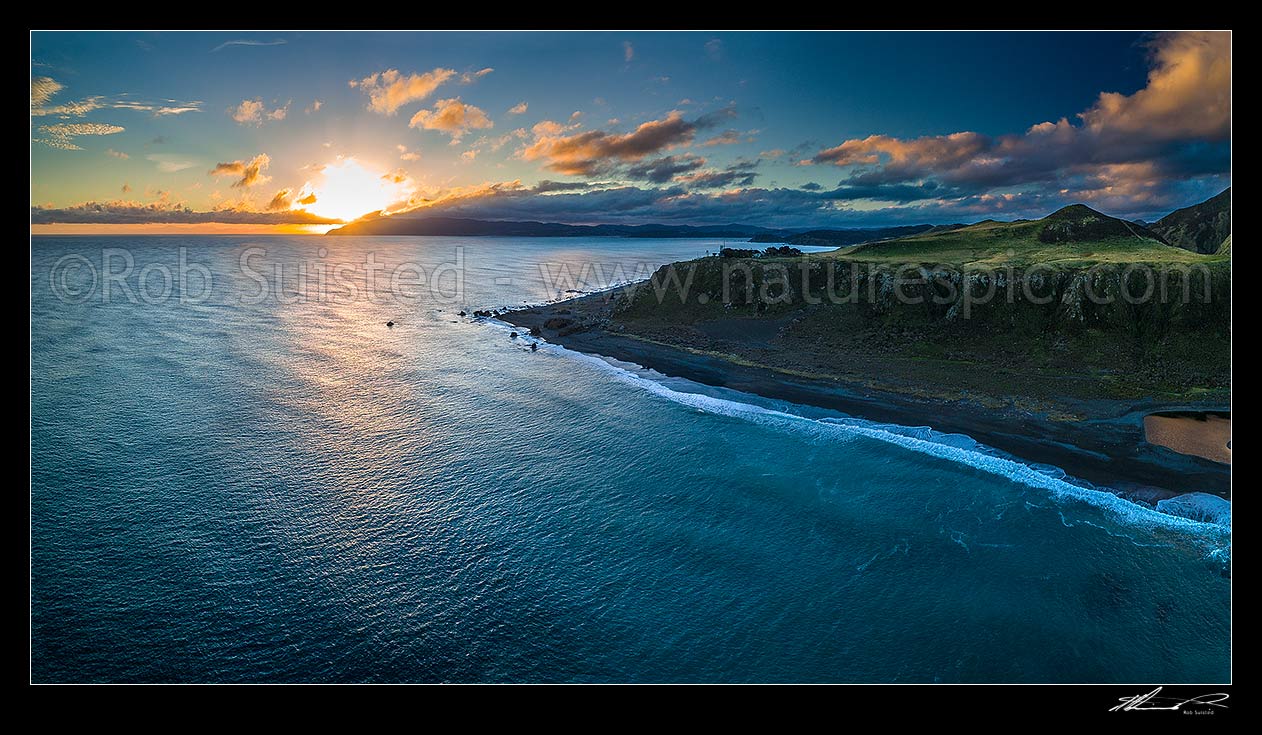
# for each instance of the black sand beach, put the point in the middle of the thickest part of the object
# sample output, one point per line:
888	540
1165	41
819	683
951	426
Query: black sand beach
1105	446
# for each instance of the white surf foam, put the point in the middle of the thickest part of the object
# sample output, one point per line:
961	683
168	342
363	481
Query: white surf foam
1197	513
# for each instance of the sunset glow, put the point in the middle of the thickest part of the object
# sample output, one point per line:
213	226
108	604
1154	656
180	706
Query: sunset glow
347	189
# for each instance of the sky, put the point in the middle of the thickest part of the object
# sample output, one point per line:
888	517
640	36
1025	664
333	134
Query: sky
262	131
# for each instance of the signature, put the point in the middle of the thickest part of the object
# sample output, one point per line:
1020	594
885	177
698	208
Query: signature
1151	701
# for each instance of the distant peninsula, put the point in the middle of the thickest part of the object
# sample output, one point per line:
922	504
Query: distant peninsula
466	227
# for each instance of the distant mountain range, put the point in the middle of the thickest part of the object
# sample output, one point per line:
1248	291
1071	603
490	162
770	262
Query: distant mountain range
485	228
842	238
1201	228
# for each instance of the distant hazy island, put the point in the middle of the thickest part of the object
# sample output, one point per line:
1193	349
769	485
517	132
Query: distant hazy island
1092	324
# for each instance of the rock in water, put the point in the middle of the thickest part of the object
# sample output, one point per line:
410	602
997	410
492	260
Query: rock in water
534	346
390	324
512	335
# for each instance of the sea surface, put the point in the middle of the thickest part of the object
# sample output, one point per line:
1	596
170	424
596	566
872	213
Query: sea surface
236	486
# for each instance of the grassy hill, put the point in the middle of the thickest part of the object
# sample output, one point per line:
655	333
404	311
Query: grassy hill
1074	236
1060	323
1201	228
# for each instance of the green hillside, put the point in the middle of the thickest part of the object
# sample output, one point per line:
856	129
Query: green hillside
1200	228
1073	236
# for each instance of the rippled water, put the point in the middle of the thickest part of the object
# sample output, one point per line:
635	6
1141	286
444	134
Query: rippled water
273	491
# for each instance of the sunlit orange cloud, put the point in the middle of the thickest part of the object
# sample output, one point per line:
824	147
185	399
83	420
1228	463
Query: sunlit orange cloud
181	228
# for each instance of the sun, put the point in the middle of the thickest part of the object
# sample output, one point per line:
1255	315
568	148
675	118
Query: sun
347	190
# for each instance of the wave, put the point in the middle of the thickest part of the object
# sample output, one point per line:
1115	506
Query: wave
1198	513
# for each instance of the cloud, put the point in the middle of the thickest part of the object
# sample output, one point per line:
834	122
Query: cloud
453	117
281	201
518	108
397	176
116	154
164	211
594	152
628	52
727	137
910	155
126	187
248	42
389	90
1175	131
740	174
170	163
42	90
308	199
77	108
469	155
546	186
254	112
1188	94
314	106
161	108
714	49
470	77
662	170
62	135
408	155
250	172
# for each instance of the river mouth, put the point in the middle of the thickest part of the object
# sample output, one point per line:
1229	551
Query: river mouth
1204	434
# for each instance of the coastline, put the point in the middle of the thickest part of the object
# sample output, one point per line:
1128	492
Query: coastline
1106	446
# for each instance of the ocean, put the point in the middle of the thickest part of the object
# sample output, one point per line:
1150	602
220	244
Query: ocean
230	483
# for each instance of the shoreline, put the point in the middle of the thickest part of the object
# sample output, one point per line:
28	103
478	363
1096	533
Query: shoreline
1107	447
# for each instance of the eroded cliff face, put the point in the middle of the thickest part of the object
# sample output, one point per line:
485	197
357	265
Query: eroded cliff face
1142	301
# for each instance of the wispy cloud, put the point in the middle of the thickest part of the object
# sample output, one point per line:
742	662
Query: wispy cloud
408	155
470	77
62	135
170	163
44	88
727	137
162	108
116	154
248	42
389	90
628	52
519	108
453	117
314	106
714	49
250	172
